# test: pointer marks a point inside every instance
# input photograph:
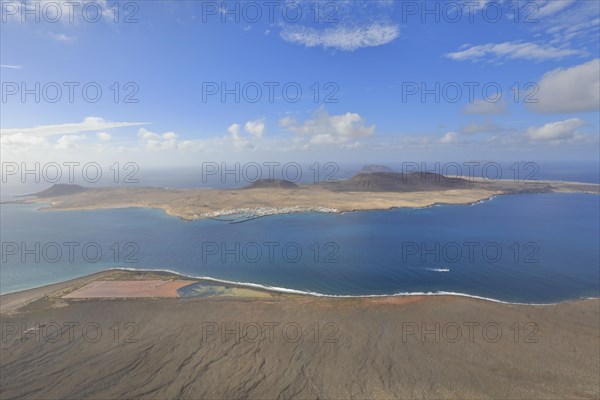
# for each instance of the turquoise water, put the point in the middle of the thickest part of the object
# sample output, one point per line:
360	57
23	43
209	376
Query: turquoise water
536	248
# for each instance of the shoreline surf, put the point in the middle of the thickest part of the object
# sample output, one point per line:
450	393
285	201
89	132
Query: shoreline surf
282	290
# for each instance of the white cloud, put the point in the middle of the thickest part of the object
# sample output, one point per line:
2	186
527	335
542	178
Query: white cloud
286	121
575	89
68	141
556	131
480	106
547	7
512	51
147	135
169	135
342	37
449	137
480	127
255	128
330	129
104	136
11	66
61	37
238	141
156	141
568	22
88	124
480	4
22	140
234	129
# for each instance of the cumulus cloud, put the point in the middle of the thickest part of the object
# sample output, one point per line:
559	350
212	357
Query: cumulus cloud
234	129
480	127
512	51
104	136
449	137
556	131
575	89
21	140
156	141
238	141
347	38
255	128
481	106
169	135
61	37
330	129
170	141
68	141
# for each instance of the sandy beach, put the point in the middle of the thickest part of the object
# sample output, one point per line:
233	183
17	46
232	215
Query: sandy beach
246	343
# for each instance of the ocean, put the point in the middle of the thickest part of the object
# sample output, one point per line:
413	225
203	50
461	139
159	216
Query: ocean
528	248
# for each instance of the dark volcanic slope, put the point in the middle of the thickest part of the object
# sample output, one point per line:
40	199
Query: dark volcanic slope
198	348
399	182
272	183
60	189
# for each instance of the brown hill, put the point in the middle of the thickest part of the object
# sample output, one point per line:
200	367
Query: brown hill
398	182
272	183
60	189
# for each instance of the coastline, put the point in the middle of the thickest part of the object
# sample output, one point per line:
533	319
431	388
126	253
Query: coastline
35	293
301	292
200	204
290	346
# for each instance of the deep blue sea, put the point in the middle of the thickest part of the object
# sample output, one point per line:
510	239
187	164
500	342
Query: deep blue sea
534	248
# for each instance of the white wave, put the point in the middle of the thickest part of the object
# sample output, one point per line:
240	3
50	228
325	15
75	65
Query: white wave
438	269
310	293
475	203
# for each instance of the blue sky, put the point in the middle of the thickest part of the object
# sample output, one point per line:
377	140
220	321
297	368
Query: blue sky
369	57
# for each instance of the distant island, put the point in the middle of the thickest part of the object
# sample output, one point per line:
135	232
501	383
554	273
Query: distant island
375	190
59	189
399	182
273	184
368	169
